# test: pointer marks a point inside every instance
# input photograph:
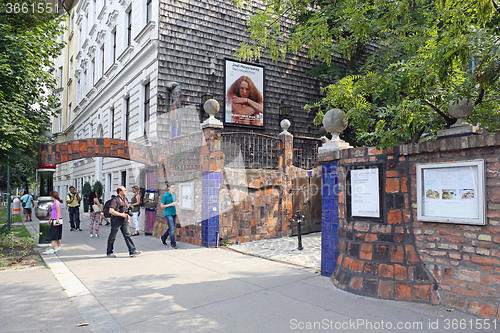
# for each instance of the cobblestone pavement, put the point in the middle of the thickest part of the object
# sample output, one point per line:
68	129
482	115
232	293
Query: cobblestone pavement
285	250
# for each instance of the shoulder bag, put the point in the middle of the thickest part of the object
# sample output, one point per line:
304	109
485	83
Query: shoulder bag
95	208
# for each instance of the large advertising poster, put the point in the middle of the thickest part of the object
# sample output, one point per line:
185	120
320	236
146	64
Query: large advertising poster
244	94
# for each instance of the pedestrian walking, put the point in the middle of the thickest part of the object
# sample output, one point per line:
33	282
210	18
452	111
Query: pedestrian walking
55	230
168	201
73	199
120	220
95	213
27	202
134	204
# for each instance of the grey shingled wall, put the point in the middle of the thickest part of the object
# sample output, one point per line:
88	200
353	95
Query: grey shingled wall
193	31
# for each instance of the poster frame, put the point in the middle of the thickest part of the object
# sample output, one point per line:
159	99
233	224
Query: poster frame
381	193
185	204
262	91
481	192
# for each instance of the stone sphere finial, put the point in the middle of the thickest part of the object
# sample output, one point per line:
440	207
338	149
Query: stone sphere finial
461	110
285	125
211	107
334	121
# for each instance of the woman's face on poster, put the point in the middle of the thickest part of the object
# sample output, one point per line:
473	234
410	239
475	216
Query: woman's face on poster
244	89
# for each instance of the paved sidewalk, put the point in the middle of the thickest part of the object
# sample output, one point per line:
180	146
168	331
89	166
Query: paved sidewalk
192	289
285	250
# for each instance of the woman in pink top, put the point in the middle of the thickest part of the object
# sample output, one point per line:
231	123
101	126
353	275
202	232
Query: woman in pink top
55	230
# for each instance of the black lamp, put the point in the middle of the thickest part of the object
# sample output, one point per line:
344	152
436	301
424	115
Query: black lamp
206	97
285	111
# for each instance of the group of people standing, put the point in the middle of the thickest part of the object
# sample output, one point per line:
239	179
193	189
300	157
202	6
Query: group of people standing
121	212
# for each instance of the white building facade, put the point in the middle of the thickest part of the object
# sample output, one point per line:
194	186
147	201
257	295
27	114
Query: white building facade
64	70
116	85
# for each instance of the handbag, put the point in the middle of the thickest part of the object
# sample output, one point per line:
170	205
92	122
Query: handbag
96	208
58	222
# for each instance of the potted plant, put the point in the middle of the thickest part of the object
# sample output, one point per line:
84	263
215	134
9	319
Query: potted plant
86	192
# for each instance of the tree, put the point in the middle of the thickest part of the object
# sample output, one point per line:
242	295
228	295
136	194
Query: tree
28	45
98	188
22	175
403	62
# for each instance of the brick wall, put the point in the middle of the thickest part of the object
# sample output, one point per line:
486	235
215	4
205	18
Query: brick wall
463	259
401	258
250	205
379	259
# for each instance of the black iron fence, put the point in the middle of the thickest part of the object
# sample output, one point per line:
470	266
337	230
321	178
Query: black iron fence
305	152
184	151
247	150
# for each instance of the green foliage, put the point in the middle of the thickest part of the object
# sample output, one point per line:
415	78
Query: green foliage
86	189
392	66
28	46
98	188
23	172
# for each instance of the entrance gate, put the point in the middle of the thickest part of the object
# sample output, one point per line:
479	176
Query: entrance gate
306	199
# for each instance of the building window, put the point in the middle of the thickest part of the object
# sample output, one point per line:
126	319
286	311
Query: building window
85	78
124	178
129	27
80	41
72	22
60	77
102	60
149	11
146	108
112	123
69	115
60	121
92	68
127	118
113	40
70	73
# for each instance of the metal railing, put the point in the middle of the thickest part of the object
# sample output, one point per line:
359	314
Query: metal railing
183	152
305	152
247	150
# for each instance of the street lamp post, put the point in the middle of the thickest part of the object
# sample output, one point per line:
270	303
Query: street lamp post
9	215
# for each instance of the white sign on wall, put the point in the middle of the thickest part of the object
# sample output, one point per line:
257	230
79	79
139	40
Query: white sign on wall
186	193
365	194
452	192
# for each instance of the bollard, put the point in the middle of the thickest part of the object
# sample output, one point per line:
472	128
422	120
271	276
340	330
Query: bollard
299	231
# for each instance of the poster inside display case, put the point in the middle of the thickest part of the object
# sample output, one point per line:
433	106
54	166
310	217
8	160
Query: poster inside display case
364	192
186	196
451	192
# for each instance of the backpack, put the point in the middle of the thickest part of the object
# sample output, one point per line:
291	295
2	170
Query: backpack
106	207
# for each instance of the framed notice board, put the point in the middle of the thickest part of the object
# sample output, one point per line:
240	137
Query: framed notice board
451	192
365	195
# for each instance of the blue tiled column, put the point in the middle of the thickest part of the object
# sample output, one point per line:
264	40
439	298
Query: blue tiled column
329	218
210	208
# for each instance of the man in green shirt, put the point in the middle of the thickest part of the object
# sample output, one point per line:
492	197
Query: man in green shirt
168	201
